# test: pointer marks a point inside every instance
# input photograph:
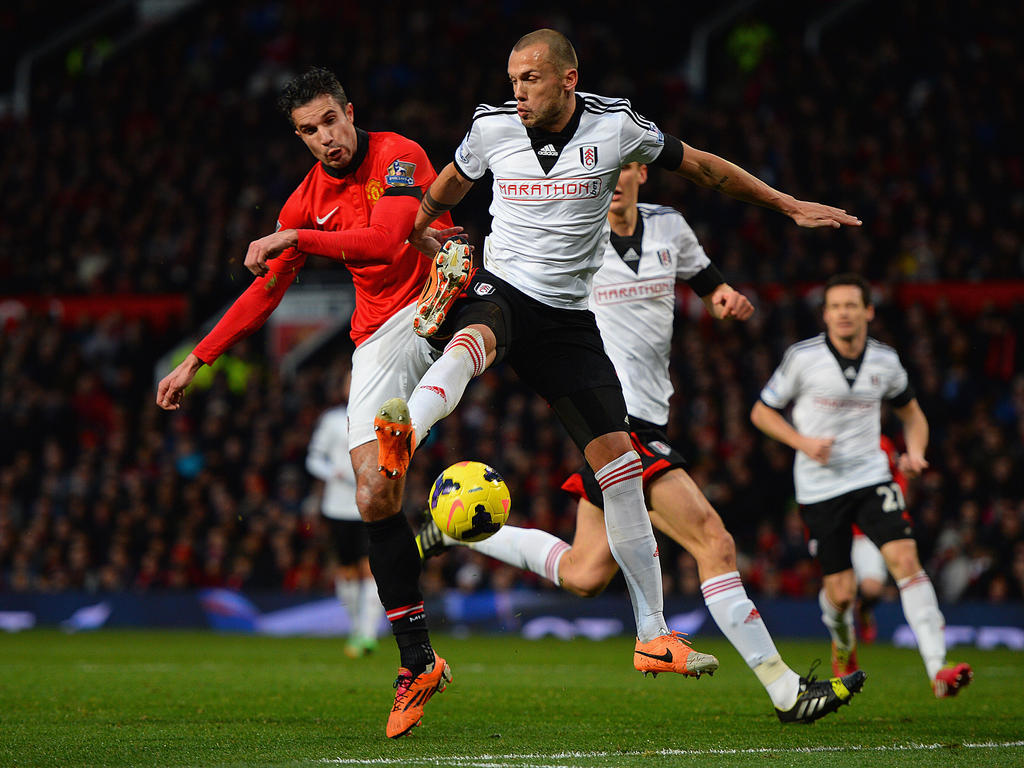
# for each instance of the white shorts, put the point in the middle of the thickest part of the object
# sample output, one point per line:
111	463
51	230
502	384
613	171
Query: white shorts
388	364
868	562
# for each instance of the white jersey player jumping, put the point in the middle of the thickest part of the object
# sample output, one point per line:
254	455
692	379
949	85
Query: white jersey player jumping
555	156
651	247
837	382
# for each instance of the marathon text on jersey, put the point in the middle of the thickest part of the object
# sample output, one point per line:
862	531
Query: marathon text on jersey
555	189
633	291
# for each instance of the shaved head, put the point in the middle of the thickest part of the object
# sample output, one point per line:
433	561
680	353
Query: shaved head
560	50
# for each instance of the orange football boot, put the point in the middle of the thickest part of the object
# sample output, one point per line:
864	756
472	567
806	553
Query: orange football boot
412	692
671	653
449	274
396	437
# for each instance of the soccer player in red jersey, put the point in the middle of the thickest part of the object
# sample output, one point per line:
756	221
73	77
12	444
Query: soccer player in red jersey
356	205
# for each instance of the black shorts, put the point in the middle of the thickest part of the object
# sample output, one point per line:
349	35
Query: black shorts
878	510
557	352
656	455
348	540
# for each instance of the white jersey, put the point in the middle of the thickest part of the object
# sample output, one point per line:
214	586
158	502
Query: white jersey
551	191
328	459
831	400
633	299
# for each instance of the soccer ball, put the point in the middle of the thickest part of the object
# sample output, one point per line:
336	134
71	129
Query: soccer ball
469	501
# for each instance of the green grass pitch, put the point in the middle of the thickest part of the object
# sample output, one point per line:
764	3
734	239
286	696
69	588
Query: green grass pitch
141	698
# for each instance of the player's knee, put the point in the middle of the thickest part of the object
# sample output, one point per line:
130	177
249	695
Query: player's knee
375	499
720	541
588	584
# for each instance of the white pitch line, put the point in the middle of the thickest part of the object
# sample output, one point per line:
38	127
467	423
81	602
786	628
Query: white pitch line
505	761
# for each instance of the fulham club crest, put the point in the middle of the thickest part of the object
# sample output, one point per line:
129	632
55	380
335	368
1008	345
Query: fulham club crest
588	156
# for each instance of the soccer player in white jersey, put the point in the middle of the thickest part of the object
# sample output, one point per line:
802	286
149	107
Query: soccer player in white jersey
556	155
328	460
651	247
837	382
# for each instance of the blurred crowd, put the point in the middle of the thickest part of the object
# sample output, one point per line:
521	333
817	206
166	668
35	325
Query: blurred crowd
152	174
99	490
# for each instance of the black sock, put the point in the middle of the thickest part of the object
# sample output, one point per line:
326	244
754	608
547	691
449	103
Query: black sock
395	563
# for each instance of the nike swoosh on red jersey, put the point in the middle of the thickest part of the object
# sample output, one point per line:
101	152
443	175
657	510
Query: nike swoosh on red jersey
321	220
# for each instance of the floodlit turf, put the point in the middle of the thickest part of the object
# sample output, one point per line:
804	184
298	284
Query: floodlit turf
119	698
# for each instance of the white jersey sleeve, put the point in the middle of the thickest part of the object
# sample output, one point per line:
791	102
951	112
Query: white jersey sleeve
784	384
640	139
898	380
691	259
471	156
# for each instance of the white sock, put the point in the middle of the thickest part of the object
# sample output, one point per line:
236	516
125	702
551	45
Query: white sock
738	618
631	540
921	609
528	548
444	383
839	625
370	609
347	591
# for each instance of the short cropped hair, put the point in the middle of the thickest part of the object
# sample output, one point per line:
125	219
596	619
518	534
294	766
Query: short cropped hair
563	56
314	82
849	278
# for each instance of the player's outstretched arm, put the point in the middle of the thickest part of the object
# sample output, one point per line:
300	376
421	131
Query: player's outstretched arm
915	433
445	193
375	244
725	301
719	174
773	424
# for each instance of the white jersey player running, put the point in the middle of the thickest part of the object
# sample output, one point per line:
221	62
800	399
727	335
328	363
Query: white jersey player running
836	382
651	248
328	460
555	156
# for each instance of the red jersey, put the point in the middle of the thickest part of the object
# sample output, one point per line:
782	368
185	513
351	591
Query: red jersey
361	216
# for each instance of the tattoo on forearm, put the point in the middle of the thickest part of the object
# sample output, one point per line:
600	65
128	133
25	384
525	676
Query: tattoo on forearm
432	207
721	183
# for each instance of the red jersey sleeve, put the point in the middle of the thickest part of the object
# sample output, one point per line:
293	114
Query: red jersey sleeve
261	298
406	172
390	223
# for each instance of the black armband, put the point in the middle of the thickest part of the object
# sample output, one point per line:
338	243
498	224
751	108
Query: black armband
671	156
903	397
403	192
705	281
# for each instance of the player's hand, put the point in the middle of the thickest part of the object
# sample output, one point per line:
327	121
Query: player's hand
172	386
912	465
817	215
728	302
818	448
428	242
262	250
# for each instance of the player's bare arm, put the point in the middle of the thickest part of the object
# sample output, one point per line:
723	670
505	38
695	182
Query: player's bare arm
172	386
717	173
725	301
774	424
915	433
445	193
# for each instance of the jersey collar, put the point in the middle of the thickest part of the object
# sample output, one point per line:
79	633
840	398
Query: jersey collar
848	366
635	242
362	147
548	145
